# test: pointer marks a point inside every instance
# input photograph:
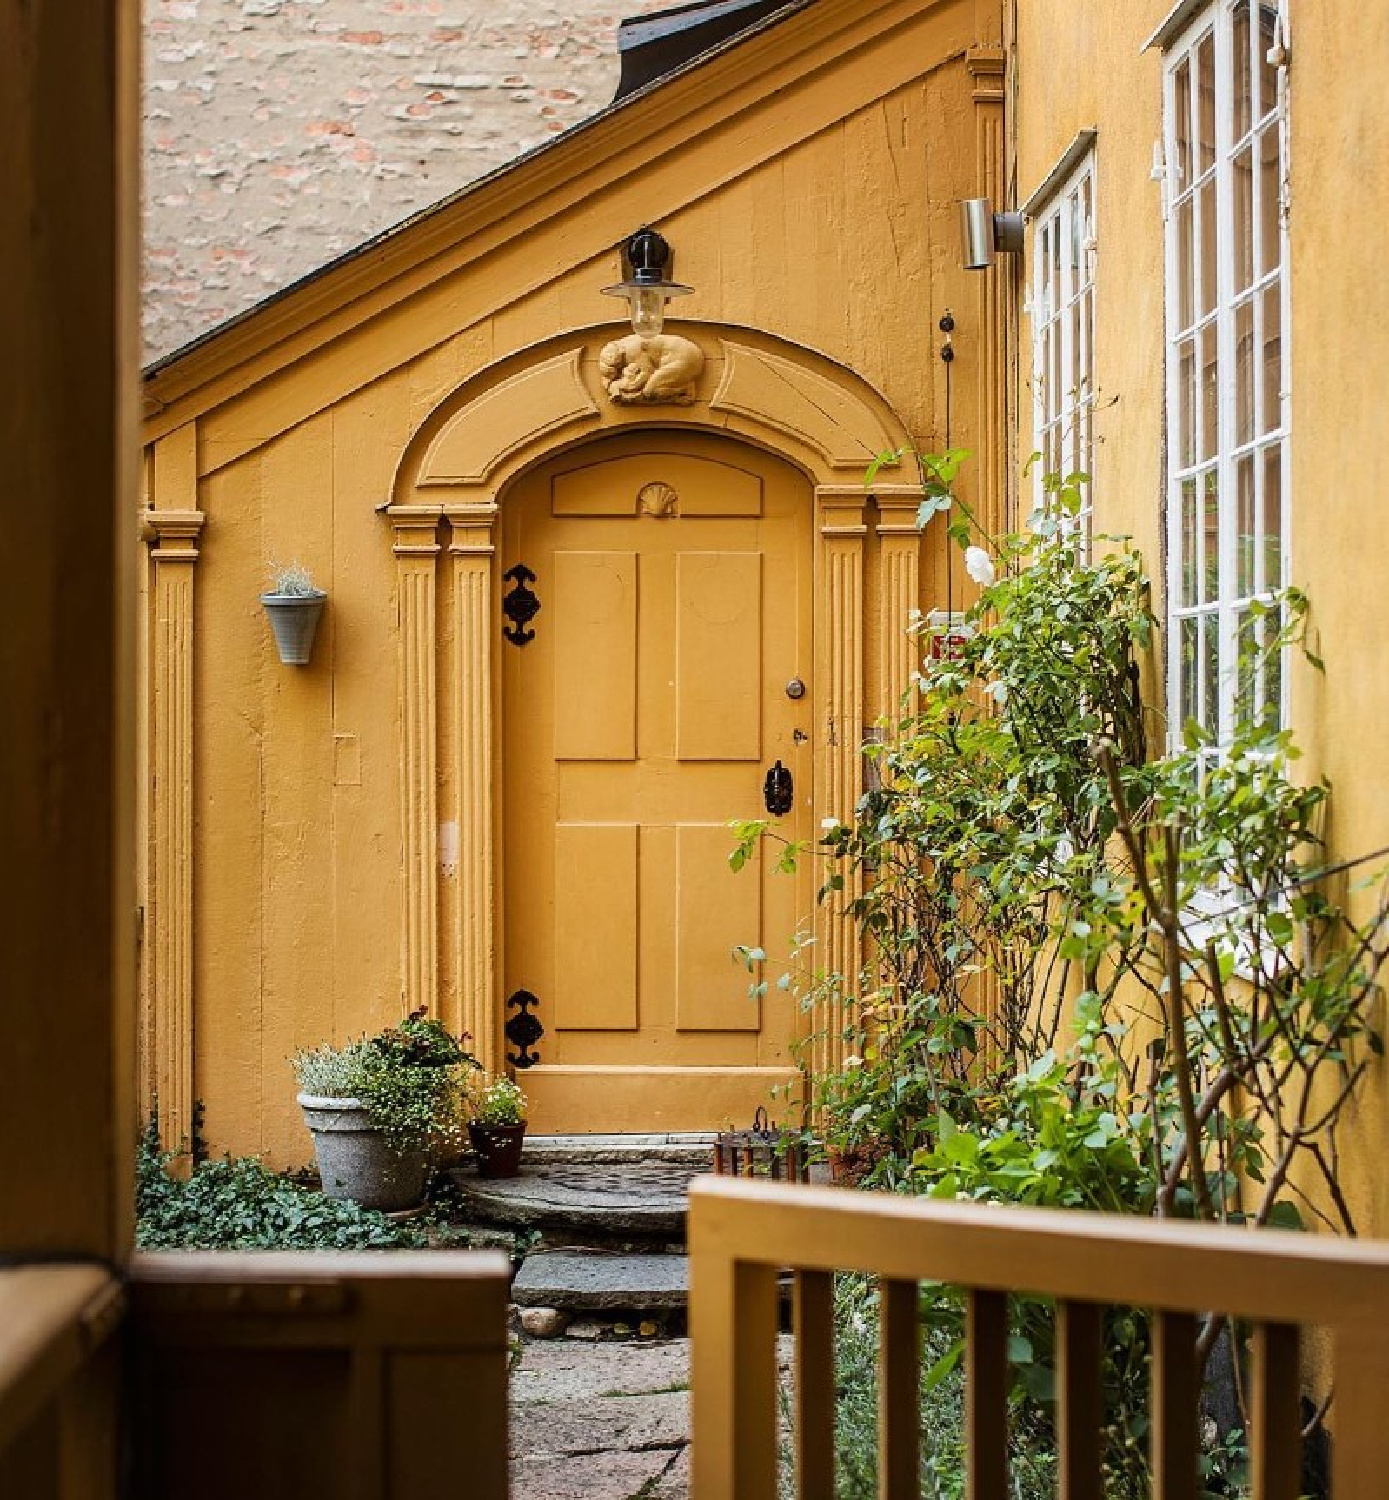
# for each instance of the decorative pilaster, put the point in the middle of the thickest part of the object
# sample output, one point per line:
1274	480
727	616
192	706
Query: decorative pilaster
995	293
839	766
472	547
899	597
174	535
416	550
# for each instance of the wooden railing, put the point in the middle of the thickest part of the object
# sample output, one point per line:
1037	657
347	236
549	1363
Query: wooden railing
743	1234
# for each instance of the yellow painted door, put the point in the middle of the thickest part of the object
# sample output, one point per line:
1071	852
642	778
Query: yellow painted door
666	670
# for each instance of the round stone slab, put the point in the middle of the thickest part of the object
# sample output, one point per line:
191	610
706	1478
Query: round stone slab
643	1198
574	1281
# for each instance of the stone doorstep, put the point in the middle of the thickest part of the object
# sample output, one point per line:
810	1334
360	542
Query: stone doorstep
633	1197
693	1148
593	1283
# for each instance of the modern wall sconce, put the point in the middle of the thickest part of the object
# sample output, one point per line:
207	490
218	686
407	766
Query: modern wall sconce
984	234
647	287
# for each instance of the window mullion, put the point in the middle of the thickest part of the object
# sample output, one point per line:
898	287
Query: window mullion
1226	366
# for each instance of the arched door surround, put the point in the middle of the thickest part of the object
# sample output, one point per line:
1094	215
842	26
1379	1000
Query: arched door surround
452	480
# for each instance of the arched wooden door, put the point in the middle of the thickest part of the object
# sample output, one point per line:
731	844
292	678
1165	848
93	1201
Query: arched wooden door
667	669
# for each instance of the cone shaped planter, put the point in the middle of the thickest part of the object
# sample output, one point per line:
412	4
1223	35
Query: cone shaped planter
294	620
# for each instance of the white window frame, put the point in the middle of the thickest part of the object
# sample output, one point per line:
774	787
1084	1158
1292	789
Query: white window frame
1063	335
1215	695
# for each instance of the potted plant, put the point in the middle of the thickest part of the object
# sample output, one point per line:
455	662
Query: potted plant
498	1128
384	1109
294	606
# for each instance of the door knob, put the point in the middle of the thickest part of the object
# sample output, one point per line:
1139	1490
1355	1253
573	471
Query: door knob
779	791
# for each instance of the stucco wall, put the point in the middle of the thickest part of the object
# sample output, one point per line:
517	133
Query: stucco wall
279	133
820	209
1081	66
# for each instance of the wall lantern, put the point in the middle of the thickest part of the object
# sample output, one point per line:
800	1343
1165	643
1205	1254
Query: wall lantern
984	234
646	288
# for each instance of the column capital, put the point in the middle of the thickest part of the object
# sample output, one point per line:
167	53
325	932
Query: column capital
471	528
174	533
841	508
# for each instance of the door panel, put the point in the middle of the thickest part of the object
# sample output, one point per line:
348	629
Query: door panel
673	574
595	675
595	917
714	914
718	671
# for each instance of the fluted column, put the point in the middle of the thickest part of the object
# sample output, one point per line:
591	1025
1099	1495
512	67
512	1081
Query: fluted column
173	534
899	598
472	548
839	766
994	291
416	551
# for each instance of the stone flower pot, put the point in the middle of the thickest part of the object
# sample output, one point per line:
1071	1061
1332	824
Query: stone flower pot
498	1148
354	1160
294	622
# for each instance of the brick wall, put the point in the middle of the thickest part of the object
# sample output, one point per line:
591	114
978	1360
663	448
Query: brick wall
279	133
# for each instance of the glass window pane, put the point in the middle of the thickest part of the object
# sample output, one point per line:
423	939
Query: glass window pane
1267	73
1245	537
1210	427
1269	249
1244	371
1271	360
1210	663
1205	87
1190	558
1272	674
1210	537
1243	247
1189	677
1273	518
1185	273
1186	403
1240	61
1181	107
1248	639
1209	238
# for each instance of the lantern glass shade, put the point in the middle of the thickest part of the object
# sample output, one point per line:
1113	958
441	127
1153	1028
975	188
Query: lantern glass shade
647	303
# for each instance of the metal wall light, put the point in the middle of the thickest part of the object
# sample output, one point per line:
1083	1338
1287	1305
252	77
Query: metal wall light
984	234
647	287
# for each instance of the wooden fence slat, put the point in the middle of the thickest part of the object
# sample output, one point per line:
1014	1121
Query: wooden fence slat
813	1316
899	1391
1275	1414
986	1395
1176	1394
1360	1445
1080	1399
733	1377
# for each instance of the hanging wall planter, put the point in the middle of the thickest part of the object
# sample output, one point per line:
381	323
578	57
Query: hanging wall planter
294	606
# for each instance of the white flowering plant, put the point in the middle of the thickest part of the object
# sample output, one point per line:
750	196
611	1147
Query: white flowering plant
499	1101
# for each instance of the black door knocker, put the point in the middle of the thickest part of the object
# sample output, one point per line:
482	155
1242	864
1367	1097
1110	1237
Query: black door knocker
779	791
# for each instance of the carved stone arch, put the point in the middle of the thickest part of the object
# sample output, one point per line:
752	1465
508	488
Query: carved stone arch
524	409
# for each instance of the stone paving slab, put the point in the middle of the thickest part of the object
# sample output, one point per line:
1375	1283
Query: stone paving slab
597	1476
562	1370
637	1424
641	1197
584	1282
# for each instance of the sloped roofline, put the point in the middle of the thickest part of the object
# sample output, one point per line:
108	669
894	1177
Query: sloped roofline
804	38
477	186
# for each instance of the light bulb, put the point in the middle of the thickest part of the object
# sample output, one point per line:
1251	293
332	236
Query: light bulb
648	311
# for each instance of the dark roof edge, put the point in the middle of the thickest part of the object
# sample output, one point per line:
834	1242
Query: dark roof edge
377	241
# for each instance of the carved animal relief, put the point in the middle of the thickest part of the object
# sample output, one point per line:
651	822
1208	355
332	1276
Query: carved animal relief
651	371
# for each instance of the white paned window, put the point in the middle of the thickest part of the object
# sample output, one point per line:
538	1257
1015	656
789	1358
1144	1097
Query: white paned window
1227	367
1063	333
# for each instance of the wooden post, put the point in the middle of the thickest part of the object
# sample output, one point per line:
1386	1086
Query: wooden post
173	525
472	548
416	550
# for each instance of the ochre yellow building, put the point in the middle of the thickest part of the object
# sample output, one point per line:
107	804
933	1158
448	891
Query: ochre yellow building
433	812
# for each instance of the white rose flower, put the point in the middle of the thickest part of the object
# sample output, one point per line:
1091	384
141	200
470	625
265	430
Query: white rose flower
980	566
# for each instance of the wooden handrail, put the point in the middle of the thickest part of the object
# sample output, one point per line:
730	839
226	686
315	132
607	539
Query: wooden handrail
742	1232
53	1318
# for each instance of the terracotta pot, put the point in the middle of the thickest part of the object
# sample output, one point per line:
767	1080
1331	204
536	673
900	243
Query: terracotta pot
498	1148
